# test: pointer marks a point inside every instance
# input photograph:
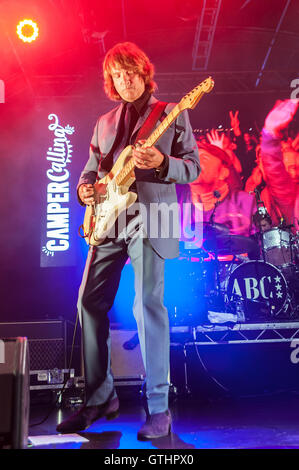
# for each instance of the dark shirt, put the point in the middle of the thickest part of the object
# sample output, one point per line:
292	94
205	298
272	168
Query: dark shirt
135	109
130	114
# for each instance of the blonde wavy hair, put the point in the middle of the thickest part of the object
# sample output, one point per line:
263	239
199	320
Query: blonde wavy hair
130	57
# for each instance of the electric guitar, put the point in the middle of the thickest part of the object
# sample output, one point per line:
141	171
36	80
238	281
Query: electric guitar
109	204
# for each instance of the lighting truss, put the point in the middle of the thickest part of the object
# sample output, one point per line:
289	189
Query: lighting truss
204	34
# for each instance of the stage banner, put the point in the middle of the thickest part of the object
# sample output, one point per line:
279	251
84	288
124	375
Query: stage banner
57	231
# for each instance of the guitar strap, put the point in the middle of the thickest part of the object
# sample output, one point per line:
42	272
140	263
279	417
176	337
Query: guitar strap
143	133
152	119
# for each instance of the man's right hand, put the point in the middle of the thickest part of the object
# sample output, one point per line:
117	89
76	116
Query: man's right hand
86	194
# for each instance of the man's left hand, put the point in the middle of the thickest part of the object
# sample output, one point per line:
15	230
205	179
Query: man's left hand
146	158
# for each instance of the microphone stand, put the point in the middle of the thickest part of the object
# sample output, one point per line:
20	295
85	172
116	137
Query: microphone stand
212	216
261	209
211	222
288	228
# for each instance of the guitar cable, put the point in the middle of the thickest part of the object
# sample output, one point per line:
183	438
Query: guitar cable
62	390
205	367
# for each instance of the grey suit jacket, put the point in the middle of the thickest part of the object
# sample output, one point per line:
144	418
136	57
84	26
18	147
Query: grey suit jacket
156	191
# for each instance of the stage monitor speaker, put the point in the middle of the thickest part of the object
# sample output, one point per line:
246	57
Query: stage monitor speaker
46	339
14	393
126	360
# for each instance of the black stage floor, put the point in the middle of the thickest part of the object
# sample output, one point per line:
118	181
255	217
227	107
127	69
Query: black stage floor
261	422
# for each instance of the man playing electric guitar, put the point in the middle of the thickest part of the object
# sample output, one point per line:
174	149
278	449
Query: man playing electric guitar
128	79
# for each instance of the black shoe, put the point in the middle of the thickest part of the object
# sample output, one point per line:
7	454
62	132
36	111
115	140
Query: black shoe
87	415
156	425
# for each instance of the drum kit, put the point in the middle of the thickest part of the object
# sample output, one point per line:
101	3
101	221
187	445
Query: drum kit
260	282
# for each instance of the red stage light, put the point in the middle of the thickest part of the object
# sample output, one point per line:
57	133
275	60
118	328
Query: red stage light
27	30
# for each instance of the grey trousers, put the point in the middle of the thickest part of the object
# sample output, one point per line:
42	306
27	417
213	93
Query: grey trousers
96	296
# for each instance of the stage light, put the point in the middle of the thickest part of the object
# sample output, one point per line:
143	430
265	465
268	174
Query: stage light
27	30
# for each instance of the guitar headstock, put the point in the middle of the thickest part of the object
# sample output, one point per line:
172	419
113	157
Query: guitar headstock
192	98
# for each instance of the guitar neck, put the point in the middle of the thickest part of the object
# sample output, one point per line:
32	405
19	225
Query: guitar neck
150	141
189	101
165	124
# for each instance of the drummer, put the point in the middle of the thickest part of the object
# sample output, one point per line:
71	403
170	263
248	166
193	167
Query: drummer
262	221
286	252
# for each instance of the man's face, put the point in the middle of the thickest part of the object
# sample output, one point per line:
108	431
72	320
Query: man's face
264	225
128	84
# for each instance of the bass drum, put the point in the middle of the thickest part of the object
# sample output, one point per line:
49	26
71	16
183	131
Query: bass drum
262	288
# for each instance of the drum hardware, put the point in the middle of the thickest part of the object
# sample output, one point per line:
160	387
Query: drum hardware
261	211
254	289
214	228
229	244
291	274
224	244
212	231
217	195
277	243
206	230
239	308
278	247
186	303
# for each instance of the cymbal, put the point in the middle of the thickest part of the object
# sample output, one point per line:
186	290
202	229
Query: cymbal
204	230
229	245
211	230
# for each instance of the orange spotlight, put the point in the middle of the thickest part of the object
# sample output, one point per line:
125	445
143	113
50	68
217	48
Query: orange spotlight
27	30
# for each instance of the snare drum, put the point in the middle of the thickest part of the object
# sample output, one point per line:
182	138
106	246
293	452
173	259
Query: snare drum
277	247
259	282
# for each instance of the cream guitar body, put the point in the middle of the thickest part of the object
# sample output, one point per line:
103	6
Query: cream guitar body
101	217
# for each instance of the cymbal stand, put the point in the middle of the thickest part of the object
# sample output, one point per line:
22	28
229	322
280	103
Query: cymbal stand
217	265
261	209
